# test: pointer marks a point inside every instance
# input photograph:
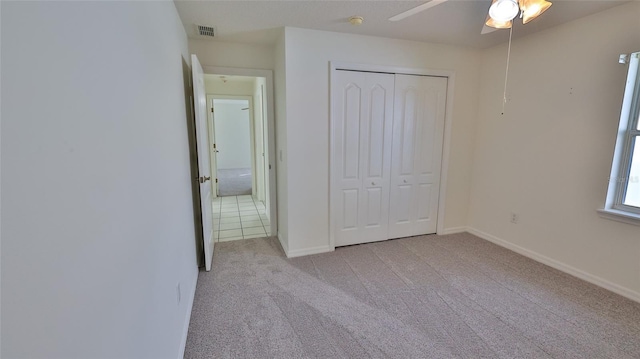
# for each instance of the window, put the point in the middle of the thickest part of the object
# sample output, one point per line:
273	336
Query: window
623	197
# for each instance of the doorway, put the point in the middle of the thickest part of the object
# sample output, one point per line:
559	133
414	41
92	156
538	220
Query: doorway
233	144
240	127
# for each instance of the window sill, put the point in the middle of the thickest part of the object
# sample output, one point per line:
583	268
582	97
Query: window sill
620	216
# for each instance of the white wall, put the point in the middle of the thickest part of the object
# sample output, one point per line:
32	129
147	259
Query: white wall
225	54
97	215
308	53
215	86
549	157
233	134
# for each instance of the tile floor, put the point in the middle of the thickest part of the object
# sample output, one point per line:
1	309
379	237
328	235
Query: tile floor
239	217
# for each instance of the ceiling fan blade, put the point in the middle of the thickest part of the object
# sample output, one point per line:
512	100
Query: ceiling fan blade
487	29
417	9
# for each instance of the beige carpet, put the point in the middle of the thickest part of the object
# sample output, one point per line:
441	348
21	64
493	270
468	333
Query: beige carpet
234	182
453	296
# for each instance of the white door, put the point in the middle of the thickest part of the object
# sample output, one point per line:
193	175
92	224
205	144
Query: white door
204	170
212	146
362	115
418	129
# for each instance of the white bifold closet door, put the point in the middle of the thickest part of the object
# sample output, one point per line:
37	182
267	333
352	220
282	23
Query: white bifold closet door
418	131
362	115
387	135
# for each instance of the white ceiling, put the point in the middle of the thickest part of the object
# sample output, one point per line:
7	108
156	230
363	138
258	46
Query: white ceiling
456	22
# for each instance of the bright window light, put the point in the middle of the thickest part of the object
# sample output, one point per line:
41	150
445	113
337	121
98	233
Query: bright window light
623	196
632	195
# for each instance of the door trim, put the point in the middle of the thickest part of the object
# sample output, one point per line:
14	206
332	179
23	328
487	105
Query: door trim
446	144
211	125
271	131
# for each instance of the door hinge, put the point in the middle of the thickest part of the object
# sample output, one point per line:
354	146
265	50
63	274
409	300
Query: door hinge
216	180
214	146
269	166
211	109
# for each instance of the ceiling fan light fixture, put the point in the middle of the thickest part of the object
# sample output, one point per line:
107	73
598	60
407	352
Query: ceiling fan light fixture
503	10
498	24
533	8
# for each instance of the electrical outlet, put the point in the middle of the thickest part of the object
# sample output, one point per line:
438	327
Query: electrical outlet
178	293
514	218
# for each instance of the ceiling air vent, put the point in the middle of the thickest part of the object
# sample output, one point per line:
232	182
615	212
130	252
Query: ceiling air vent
206	30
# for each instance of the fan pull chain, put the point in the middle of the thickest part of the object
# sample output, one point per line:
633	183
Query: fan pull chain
506	72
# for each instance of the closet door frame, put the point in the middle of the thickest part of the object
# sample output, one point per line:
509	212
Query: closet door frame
444	168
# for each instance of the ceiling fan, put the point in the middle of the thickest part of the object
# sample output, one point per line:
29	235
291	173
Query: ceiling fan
500	16
501	12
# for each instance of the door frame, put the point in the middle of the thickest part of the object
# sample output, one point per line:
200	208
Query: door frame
271	131
213	157
334	66
249	99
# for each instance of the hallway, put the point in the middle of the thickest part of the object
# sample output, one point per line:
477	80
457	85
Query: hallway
239	217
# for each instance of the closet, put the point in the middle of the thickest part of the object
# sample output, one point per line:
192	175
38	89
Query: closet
387	134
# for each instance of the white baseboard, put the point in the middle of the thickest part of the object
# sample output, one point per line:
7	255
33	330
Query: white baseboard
452	230
185	329
283	244
625	292
308	251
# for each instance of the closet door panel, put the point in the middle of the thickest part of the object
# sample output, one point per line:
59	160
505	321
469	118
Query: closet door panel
424	223
424	202
347	98
374	206
430	144
430	157
402	211
406	124
351	100
416	154
350	209
376	133
362	105
376	139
